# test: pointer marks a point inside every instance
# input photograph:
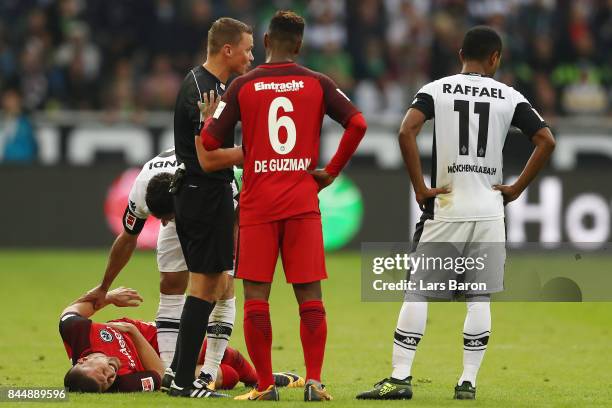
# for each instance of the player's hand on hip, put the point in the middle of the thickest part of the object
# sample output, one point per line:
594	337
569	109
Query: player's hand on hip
509	192
426	194
322	178
124	297
209	104
96	296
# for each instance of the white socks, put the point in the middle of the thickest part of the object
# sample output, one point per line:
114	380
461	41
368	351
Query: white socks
410	328
167	321
476	332
220	326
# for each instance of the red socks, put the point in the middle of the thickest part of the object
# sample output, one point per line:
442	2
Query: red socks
246	372
229	377
258	338
313	332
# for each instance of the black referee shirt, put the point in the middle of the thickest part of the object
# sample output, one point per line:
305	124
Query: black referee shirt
187	122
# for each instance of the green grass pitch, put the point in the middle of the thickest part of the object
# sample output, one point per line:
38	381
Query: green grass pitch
540	354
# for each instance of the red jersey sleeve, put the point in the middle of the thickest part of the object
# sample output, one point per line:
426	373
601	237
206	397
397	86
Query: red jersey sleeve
337	105
227	114
74	330
143	381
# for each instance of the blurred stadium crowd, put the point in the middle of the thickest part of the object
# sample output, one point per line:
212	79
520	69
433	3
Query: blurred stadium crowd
129	56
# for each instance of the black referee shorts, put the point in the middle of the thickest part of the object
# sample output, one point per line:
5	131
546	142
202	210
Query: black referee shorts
204	216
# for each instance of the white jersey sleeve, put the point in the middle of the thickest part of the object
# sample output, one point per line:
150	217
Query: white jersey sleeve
137	211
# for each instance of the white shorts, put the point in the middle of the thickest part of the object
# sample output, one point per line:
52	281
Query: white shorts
464	231
169	253
477	254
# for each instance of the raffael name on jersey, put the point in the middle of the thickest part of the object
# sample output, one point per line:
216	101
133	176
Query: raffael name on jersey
272	165
292	86
472	90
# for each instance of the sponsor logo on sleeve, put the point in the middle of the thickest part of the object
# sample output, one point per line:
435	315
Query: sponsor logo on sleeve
147	384
130	221
132	205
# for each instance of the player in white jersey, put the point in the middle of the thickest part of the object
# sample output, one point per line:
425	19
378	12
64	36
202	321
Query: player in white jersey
464	209
150	196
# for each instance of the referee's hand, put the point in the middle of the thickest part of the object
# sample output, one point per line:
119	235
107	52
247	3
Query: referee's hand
209	104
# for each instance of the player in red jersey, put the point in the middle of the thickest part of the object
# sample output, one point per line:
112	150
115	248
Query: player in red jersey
281	106
120	355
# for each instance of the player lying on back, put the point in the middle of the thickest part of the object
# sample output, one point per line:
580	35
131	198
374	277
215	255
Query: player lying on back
464	207
281	106
123	356
115	356
149	196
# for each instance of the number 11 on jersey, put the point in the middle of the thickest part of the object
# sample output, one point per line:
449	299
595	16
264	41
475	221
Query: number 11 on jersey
482	109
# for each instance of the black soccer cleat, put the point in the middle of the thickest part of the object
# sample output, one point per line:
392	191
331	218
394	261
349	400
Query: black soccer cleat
207	379
465	391
167	379
198	389
389	389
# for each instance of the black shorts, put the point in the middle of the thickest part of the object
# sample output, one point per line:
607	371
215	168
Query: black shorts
204	216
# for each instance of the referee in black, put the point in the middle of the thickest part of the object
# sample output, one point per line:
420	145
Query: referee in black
204	212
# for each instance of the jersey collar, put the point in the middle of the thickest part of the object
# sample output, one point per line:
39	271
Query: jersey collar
473	74
277	64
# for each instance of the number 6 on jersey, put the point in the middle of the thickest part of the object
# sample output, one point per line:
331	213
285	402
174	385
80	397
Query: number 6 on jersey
276	122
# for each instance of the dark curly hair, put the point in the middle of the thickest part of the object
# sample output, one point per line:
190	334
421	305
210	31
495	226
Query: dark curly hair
158	197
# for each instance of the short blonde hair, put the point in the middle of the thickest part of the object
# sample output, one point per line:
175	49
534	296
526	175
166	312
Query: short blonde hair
226	30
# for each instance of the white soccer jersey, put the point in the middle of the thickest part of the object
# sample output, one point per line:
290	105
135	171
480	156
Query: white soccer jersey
472	115
137	211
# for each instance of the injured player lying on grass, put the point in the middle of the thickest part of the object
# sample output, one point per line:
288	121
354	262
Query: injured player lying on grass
122	355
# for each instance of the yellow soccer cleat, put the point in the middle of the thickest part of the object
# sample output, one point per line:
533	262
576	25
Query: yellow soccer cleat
270	394
289	380
315	391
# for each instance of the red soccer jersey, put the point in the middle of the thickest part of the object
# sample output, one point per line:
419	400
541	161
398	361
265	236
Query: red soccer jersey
82	337
281	107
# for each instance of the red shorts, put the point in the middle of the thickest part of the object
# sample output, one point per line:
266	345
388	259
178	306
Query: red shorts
300	241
